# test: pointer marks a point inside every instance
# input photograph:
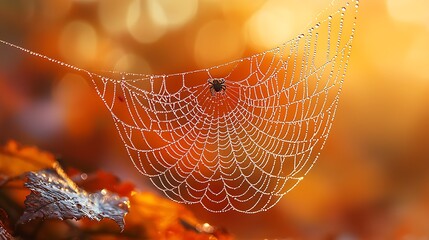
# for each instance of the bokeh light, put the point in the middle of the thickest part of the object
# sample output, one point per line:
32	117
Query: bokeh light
216	42
78	43
173	14
73	90
409	11
132	63
277	20
113	15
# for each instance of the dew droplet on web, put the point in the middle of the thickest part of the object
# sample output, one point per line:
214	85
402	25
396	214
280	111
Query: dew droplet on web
173	131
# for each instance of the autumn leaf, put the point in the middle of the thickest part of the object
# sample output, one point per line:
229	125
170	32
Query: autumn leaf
16	160
165	219
150	216
55	196
88	196
99	180
4	234
4	229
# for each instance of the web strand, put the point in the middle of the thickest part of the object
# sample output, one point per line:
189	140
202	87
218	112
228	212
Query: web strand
242	148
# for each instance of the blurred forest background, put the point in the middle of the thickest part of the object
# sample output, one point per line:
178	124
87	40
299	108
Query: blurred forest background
372	179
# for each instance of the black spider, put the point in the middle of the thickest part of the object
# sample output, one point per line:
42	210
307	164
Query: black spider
217	85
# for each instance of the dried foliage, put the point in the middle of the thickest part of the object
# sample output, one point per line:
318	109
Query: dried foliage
54	195
5	232
15	160
55	201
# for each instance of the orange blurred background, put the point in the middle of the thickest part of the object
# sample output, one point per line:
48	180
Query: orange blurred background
372	179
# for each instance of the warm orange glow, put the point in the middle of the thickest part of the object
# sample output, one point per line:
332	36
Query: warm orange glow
78	42
140	24
409	11
218	41
132	63
113	15
172	14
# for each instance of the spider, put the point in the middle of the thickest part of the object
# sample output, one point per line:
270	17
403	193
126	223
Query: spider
217	85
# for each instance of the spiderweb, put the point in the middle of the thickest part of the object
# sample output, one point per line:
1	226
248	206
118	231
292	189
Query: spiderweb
245	147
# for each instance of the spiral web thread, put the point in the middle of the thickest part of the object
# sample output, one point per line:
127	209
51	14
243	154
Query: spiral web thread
243	148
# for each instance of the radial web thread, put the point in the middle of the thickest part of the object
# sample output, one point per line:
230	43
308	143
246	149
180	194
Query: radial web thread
243	148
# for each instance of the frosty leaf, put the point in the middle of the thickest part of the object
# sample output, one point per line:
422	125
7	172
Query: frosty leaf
55	196
4	234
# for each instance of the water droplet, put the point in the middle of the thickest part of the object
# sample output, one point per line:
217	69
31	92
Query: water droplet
124	206
84	176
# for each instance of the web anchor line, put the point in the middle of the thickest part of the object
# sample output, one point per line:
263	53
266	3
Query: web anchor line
245	140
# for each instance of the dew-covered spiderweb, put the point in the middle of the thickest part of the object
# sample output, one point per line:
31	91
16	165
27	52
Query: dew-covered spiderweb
245	147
